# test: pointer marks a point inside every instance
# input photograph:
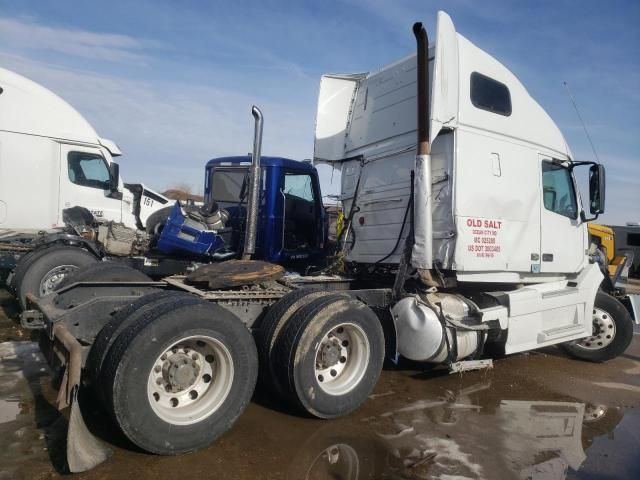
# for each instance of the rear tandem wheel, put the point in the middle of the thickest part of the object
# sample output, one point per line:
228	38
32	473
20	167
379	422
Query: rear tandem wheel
330	355
179	376
272	327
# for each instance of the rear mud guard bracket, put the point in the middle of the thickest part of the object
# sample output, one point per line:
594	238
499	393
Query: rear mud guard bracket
84	451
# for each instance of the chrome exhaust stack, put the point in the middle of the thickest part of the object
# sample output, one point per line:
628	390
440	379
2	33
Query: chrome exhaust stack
254	185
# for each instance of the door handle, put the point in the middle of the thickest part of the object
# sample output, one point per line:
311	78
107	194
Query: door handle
547	257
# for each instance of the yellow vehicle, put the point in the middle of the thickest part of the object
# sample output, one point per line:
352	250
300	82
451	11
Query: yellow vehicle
602	240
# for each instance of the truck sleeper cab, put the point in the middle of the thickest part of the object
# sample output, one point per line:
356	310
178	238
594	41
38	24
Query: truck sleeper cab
492	194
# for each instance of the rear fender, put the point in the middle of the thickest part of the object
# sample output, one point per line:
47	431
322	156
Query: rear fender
72	241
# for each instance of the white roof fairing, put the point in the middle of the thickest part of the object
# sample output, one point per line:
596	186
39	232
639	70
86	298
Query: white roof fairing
368	110
528	121
29	108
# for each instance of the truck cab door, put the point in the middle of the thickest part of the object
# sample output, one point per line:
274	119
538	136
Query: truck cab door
84	182
562	238
302	215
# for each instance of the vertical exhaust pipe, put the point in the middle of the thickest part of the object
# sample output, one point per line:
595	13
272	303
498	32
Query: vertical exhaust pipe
422	254
424	106
254	193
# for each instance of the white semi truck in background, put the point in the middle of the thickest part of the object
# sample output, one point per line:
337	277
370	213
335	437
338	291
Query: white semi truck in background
464	230
52	159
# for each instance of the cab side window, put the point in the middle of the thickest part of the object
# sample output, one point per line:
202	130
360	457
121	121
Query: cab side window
88	170
558	191
489	94
299	186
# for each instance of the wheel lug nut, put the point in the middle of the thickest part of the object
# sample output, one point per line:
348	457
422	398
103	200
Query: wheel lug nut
194	356
157	368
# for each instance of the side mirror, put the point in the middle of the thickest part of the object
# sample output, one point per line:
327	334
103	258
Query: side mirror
114	177
596	189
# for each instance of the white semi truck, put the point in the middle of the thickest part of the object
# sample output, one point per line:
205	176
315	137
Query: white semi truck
52	159
464	230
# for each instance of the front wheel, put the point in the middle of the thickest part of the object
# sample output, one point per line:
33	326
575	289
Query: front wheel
611	335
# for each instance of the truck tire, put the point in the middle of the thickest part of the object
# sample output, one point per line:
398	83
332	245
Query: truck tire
179	378
18	271
155	222
123	318
330	355
271	327
104	272
23	265
47	269
612	332
145	309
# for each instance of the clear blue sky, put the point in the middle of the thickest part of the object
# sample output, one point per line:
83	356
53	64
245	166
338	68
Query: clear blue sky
173	82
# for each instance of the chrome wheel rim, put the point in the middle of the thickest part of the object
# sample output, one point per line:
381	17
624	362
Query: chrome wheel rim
53	277
190	380
342	357
604	331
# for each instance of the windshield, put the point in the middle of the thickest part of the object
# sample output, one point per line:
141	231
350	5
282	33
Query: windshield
227	185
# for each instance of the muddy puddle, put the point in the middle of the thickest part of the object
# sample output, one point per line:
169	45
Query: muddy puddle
536	416
10	329
31	430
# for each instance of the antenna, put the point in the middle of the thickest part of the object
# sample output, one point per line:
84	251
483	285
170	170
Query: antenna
582	121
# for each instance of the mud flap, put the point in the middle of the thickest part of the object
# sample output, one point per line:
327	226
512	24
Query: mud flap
84	451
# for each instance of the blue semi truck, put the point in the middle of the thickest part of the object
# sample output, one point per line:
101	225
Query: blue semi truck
291	228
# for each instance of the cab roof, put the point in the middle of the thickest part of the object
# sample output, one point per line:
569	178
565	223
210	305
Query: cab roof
264	161
29	108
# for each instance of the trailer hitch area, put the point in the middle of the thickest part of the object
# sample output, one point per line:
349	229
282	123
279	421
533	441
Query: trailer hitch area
84	451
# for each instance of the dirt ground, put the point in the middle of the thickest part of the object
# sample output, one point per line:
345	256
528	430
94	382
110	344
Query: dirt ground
533	416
